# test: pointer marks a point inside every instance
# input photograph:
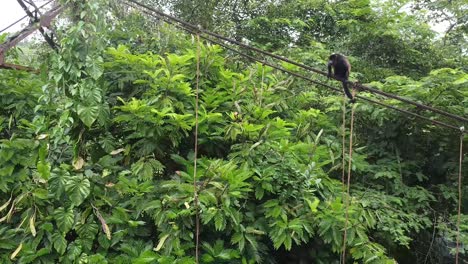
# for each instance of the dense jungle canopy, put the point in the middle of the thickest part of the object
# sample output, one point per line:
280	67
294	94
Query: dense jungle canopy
97	150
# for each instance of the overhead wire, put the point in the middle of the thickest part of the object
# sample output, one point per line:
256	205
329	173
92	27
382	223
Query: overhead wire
35	19
195	30
343	158
329	86
195	191
14	23
195	160
299	65
460	163
238	43
348	183
21	19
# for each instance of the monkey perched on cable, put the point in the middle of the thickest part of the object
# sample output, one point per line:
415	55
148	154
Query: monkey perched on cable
341	69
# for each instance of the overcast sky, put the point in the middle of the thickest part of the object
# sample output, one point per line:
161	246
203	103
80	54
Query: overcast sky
10	11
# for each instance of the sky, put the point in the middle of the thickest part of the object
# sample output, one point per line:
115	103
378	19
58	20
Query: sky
10	11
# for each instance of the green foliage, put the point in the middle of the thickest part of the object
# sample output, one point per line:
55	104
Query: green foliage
98	165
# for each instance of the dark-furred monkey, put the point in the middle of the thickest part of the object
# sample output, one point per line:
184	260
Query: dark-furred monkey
341	69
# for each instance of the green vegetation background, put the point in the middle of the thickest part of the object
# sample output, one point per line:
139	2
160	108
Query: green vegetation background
96	152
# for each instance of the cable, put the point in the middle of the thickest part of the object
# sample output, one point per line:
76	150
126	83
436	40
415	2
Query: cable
459	194
362	87
19	20
348	184
195	192
343	160
196	31
193	31
34	18
12	24
343	142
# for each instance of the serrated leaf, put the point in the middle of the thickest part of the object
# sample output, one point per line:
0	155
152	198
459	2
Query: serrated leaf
219	222
104	242
313	205
147	172
288	243
239	239
146	257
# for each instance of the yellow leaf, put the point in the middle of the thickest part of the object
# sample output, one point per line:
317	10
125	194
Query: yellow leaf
10	212
21	224
78	163
3	218
105	227
105	173
106	230
18	249
42	136
117	151
161	243
5	205
31	224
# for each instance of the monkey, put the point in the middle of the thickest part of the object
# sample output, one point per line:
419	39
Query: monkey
341	69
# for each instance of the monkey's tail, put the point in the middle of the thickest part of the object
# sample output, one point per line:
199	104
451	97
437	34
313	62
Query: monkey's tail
347	92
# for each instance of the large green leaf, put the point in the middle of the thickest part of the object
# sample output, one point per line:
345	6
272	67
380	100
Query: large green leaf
64	219
44	170
78	188
88	114
60	243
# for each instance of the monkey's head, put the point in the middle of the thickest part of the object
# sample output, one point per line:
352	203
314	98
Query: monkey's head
335	57
331	59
